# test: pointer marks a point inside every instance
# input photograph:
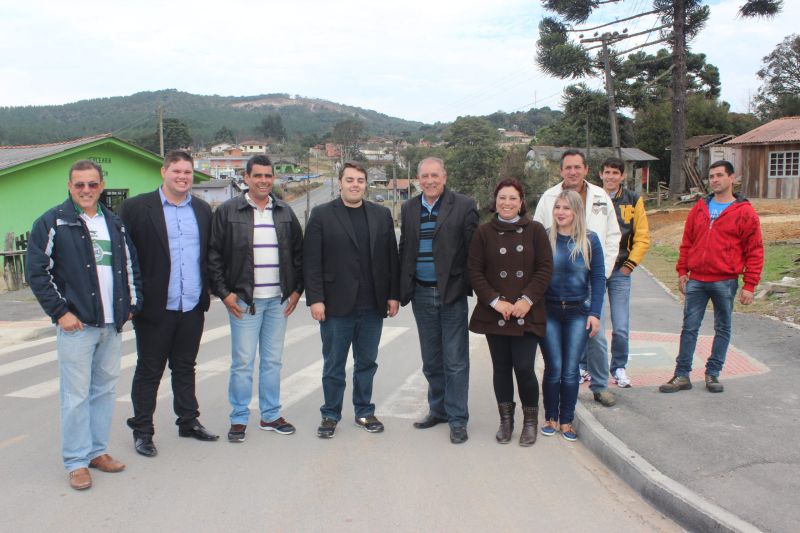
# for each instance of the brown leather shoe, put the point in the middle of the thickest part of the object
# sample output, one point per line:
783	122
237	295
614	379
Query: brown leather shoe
106	463
80	479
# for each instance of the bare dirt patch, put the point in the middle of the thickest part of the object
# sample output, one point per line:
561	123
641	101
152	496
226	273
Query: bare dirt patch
780	223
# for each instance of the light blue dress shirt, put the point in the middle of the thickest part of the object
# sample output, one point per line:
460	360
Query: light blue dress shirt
183	234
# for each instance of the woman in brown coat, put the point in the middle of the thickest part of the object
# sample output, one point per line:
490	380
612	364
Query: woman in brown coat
510	263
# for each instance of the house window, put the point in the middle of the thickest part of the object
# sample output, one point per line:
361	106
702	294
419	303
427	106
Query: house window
784	164
111	198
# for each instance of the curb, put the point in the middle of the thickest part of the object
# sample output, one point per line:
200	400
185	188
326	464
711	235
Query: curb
675	500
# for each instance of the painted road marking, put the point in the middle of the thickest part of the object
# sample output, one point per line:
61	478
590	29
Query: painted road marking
50	387
221	364
307	380
13	440
41	359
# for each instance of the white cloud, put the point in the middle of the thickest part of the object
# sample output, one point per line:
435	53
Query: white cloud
418	59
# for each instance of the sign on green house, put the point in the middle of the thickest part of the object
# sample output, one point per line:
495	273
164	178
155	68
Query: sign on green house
34	178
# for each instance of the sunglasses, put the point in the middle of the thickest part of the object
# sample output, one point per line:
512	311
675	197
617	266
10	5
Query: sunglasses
80	185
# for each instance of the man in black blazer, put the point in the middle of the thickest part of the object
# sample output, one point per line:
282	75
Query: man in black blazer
351	277
435	232
170	230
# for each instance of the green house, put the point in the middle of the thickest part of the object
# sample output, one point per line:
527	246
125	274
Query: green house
34	178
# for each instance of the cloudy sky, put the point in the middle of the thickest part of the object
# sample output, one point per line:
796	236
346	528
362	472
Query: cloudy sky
420	60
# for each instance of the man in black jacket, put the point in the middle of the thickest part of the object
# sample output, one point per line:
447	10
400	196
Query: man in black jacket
82	268
255	262
170	229
351	278
435	234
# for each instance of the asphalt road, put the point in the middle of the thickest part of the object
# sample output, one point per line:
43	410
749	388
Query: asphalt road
400	480
317	196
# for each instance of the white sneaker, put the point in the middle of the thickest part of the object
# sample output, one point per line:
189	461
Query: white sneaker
621	378
585	376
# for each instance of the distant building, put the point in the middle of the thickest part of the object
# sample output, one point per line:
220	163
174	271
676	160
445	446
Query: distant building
768	159
331	150
513	138
220	148
216	191
34	178
253	147
222	167
637	162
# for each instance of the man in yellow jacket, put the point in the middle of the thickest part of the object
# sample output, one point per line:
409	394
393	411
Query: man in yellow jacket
634	243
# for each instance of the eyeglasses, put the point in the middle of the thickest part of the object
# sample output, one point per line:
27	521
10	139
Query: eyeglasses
80	185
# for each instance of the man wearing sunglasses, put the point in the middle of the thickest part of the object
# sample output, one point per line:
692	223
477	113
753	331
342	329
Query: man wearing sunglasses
82	268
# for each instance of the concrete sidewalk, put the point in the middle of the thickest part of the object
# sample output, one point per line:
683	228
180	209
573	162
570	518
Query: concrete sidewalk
726	461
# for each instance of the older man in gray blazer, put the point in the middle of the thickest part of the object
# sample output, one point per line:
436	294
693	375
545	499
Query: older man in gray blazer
436	230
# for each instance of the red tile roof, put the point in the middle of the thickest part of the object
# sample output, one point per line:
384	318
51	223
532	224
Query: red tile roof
782	130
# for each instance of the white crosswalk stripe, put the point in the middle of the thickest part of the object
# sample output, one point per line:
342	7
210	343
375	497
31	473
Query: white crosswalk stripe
50	387
408	401
41	359
221	364
304	382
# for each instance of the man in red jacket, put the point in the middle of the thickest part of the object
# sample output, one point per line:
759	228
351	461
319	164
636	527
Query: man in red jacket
721	240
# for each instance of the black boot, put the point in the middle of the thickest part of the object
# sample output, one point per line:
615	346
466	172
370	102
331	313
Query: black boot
506	422
530	422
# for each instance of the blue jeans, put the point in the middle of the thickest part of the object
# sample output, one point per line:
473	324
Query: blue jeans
562	347
619	297
444	344
265	330
88	363
362	330
698	293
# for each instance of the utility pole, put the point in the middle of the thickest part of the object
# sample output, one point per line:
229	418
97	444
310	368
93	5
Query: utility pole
394	181
604	40
161	130
612	107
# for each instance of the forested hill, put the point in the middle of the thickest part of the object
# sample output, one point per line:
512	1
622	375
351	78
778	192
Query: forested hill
135	116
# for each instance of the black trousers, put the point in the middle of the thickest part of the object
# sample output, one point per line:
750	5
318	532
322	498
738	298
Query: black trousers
514	355
174	340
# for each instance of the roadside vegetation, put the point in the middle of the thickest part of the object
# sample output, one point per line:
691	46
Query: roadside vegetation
780	224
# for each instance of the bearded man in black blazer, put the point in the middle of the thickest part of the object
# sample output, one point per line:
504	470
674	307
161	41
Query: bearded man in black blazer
351	276
170	230
435	232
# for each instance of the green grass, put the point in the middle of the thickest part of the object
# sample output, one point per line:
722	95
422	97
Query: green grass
779	261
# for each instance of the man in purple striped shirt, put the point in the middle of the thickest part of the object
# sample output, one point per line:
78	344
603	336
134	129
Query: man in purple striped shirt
255	263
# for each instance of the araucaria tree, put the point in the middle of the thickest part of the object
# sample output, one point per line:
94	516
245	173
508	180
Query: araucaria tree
680	22
779	95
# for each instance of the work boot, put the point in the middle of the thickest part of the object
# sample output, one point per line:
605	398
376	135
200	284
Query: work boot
675	384
530	422
506	422
713	384
605	397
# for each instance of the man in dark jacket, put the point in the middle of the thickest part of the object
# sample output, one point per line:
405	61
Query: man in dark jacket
255	262
82	268
170	229
351	278
436	230
721	241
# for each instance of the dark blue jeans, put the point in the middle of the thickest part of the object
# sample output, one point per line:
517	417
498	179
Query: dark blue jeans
362	330
444	344
698	293
562	348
